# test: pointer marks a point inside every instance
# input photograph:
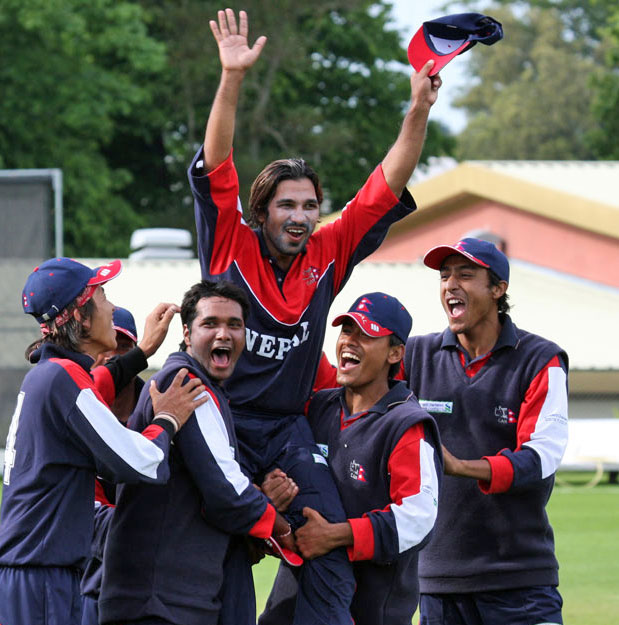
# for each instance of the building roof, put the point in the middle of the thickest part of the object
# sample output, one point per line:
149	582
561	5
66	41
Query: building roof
577	314
582	194
592	180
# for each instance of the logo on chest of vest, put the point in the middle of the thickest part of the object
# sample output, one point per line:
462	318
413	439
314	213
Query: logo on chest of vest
357	472
505	415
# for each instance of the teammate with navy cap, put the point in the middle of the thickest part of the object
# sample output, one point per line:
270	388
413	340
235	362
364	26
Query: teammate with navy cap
499	396
61	435
385	455
291	275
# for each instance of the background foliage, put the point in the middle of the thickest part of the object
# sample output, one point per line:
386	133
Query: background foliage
116	94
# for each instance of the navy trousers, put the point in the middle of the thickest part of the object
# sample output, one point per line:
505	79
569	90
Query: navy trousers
42	595
326	583
535	605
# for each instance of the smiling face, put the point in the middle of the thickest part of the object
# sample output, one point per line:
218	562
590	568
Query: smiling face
468	299
217	336
363	361
100	326
290	219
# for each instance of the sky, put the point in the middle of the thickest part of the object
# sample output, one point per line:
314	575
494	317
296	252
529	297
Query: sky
409	15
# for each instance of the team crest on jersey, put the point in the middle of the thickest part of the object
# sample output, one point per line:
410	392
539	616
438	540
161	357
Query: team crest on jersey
357	472
311	275
505	415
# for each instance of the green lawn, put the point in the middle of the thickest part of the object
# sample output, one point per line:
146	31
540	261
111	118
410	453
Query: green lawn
586	524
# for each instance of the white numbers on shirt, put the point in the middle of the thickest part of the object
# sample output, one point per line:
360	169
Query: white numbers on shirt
9	453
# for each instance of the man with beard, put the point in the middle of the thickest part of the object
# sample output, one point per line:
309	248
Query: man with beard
291	275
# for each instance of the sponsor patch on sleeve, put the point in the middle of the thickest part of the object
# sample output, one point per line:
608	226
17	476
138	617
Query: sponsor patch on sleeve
318	459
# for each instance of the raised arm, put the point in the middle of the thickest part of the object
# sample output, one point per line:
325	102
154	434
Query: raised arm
402	158
236	58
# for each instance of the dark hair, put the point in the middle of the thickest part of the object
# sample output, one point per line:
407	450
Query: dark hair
394	369
69	335
503	304
265	185
207	289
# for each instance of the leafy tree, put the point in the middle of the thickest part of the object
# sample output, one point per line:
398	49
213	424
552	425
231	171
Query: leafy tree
324	89
605	83
529	98
71	71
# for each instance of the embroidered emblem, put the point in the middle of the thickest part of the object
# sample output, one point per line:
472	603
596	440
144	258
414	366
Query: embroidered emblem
505	415
310	275
357	472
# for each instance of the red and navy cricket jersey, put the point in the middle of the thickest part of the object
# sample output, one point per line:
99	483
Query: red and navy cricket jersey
286	325
510	407
62	434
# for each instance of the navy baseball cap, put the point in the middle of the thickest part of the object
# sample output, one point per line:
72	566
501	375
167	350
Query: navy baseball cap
52	286
444	38
378	314
125	323
482	253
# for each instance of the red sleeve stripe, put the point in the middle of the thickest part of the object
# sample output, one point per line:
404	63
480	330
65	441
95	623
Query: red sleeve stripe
534	400
502	475
207	390
263	528
104	384
152	432
81	378
363	539
100	494
542	422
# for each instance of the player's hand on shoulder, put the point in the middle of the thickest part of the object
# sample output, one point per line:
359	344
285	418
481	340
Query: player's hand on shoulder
179	400
234	51
280	489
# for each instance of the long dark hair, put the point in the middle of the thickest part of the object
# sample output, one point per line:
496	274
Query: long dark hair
70	334
264	186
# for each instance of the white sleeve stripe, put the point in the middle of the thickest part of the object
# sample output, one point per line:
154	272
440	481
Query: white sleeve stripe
215	435
415	516
549	439
136	450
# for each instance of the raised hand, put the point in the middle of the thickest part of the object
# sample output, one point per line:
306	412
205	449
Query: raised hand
234	51
424	88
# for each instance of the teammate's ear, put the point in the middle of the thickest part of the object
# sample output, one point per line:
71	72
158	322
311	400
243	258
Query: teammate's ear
186	335
396	353
498	290
85	321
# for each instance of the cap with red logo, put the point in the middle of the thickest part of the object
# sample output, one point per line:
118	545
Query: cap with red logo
379	314
56	283
482	253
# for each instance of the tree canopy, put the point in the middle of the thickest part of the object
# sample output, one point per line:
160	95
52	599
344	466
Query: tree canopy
70	71
549	89
116	94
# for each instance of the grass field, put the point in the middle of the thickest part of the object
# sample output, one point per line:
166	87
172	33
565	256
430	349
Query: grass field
586	524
